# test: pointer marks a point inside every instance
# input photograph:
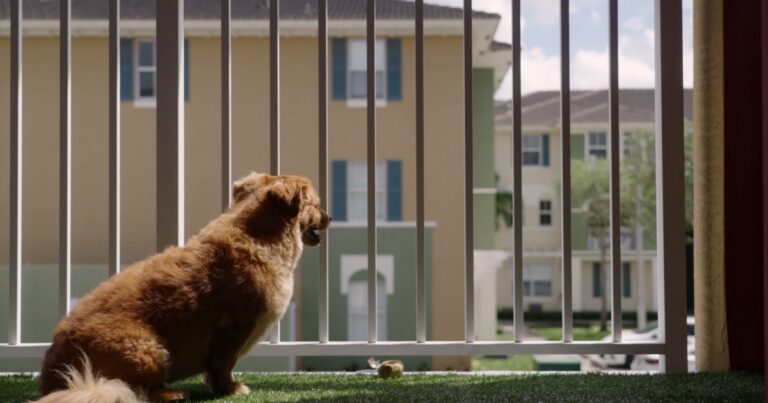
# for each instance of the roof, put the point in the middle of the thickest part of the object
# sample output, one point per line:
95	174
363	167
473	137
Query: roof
495	45
241	10
543	108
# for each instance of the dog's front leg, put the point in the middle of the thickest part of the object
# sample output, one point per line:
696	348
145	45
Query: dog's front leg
224	353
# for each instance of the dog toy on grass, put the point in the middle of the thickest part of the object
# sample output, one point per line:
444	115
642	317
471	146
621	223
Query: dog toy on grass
387	369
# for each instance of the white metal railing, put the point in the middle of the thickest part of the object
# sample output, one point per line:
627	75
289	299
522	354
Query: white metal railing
170	179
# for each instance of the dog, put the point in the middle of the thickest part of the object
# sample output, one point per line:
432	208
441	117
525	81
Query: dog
191	309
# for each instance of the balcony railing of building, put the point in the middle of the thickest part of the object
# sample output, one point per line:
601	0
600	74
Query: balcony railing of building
170	178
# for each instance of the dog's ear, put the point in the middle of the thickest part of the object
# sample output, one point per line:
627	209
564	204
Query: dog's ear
288	195
244	187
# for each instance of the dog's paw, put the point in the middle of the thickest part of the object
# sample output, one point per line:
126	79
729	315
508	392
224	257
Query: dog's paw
240	389
234	388
167	395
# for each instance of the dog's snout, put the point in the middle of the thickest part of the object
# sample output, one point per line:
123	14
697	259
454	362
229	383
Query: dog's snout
330	218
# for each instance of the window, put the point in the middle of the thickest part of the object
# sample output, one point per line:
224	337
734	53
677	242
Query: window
532	151
146	69
597	145
357	191
357	310
537	280
545	212
357	68
626	280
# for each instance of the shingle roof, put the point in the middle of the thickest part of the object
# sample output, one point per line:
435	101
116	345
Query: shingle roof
495	45
543	108
241	10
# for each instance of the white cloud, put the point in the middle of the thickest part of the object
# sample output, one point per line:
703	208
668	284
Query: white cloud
589	68
543	12
634	24
595	15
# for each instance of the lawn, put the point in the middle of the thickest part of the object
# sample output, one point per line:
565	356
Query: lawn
579	332
510	363
711	387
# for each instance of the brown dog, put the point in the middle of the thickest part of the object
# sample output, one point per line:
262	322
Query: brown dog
192	309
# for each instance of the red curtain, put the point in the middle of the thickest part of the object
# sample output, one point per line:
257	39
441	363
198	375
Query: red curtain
745	184
764	47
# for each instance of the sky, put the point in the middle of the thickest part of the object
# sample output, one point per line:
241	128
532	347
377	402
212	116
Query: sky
540	62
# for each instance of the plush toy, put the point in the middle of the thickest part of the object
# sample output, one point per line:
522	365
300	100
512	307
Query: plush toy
387	369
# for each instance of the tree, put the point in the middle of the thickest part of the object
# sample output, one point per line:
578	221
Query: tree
590	189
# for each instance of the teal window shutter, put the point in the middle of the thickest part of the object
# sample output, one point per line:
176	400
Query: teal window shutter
339	177
126	69
577	147
339	68
545	150
596	280
186	69
394	190
394	70
626	280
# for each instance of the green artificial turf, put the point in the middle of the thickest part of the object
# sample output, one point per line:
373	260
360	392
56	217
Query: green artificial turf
704	387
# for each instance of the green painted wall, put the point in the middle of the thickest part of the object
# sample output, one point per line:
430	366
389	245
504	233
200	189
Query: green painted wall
484	175
579	231
401	312
577	146
485	210
483	125
39	313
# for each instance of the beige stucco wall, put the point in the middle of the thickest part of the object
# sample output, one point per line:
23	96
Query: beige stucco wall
583	299
543	183
539	183
591	303
250	118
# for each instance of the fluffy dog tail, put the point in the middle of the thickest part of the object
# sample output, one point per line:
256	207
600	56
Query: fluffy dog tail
86	387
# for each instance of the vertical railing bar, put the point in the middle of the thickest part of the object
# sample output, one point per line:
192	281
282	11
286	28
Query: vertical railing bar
274	107
615	190
322	62
670	214
226	104
371	143
565	168
421	299
170	123
17	140
517	178
114	137
274	87
469	191
65	156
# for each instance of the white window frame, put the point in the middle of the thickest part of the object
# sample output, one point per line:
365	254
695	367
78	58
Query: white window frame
538	149
534	273
381	66
357	315
543	212
357	293
138	100
362	189
596	147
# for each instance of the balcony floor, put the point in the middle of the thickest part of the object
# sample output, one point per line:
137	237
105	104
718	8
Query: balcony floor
576	387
